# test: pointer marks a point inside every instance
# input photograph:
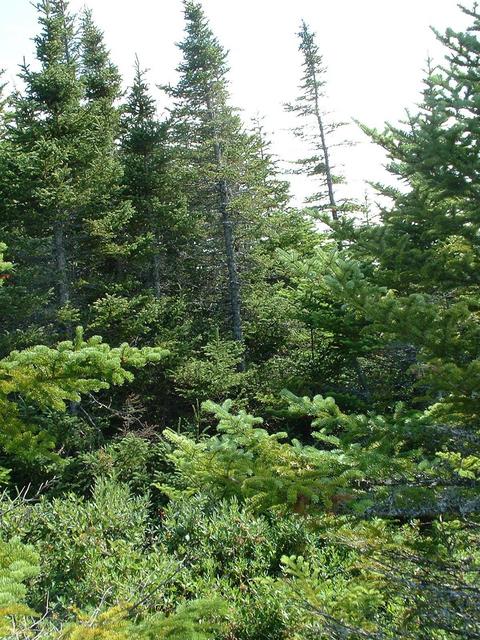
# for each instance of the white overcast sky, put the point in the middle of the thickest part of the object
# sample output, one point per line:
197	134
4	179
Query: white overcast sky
375	51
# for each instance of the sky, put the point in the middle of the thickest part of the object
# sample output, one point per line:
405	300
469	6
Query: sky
375	51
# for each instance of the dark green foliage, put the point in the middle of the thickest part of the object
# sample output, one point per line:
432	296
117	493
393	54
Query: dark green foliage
132	460
230	185
60	192
159	229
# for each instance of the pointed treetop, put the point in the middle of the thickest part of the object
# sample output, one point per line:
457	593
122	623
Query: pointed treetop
314	68
54	43
101	77
204	66
55	85
140	103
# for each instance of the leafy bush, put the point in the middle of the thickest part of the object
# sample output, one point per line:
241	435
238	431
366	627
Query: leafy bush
131	460
227	550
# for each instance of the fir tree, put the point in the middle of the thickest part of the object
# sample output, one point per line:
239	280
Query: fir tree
100	76
426	247
309	106
203	116
429	236
46	378
43	134
63	204
46	174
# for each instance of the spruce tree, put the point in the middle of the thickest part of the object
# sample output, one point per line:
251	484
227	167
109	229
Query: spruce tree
426	247
55	94
107	211
63	207
317	131
203	117
100	76
158	225
42	186
429	235
224	172
314	129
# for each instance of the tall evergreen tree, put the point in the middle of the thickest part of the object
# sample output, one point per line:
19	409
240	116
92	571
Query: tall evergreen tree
151	187
100	76
203	116
61	188
43	185
315	130
426	252
429	236
107	212
318	132
223	167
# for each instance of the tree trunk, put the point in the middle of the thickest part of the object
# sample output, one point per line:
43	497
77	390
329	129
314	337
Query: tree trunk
362	379
61	262
233	283
326	157
228	235
157	281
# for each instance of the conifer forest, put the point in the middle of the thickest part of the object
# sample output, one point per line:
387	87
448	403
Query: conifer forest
226	416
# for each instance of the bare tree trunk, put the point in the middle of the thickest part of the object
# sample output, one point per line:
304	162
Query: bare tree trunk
362	378
326	156
61	262
228	235
157	281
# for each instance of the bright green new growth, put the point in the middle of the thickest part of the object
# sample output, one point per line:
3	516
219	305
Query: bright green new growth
197	620
18	563
47	378
246	461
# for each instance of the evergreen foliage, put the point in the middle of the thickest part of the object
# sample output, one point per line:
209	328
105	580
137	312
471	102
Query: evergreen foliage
315	129
18	563
306	462
226	174
159	223
46	378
